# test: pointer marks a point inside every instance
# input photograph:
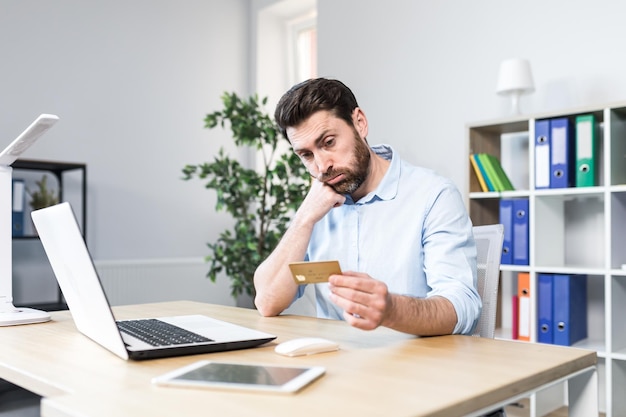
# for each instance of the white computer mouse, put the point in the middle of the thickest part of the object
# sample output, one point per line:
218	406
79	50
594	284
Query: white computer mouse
305	346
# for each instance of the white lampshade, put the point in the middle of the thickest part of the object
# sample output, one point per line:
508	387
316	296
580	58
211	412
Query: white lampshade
515	79
515	75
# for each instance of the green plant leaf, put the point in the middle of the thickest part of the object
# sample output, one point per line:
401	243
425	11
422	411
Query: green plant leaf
262	201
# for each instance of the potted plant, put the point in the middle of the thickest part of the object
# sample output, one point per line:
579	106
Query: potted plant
42	196
261	201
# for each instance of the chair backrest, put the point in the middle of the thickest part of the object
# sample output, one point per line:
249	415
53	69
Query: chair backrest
489	253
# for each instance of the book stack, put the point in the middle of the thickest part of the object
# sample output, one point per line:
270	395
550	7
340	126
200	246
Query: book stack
489	172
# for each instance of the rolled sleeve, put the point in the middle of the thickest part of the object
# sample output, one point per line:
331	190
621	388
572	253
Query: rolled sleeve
450	258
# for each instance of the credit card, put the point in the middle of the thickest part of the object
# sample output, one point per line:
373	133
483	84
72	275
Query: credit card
313	272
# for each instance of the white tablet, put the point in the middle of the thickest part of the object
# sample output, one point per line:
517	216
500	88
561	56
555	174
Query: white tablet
252	377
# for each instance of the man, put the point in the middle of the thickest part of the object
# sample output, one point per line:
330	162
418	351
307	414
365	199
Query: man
401	233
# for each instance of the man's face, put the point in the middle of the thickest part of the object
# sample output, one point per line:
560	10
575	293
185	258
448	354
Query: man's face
333	151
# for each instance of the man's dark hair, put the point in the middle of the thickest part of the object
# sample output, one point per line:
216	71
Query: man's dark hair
311	96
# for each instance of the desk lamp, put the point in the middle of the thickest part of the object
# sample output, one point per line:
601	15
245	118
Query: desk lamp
515	79
9	314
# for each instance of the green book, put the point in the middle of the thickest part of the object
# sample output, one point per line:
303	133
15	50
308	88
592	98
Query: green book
503	179
490	171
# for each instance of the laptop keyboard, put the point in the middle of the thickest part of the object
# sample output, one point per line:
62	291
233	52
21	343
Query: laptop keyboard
159	333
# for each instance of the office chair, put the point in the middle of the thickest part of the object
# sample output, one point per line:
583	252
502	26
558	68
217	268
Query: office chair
488	255
489	252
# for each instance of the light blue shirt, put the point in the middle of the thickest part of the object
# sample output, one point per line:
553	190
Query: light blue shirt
413	233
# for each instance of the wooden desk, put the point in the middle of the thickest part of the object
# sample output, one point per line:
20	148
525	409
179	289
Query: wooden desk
378	373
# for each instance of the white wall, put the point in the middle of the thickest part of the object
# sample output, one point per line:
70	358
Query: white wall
423	69
131	81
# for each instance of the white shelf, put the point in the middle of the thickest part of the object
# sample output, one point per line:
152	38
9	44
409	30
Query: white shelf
575	230
592	344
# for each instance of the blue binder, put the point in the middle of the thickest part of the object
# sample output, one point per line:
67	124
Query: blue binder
506	219
570	308
544	309
17	207
542	154
520	231
562	156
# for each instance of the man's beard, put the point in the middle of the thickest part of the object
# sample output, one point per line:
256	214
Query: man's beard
353	177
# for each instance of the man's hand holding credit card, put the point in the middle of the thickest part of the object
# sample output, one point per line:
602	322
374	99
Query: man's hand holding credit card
313	272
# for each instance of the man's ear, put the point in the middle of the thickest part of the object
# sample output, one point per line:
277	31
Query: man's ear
360	122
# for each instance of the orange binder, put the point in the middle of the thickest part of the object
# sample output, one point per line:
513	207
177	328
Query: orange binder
523	296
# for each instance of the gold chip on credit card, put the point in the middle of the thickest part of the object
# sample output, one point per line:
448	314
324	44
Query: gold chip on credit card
313	272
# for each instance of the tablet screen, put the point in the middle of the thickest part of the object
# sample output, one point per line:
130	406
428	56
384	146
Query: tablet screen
241	376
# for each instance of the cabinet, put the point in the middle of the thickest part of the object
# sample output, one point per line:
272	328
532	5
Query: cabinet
575	230
34	284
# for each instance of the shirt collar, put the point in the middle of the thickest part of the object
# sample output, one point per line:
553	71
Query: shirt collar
388	187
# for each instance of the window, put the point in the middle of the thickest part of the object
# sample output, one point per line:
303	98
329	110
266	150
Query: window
303	48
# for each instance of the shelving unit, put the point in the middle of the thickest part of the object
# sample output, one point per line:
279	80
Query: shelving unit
578	231
70	180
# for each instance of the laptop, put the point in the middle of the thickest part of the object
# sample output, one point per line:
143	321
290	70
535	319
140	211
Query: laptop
129	339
